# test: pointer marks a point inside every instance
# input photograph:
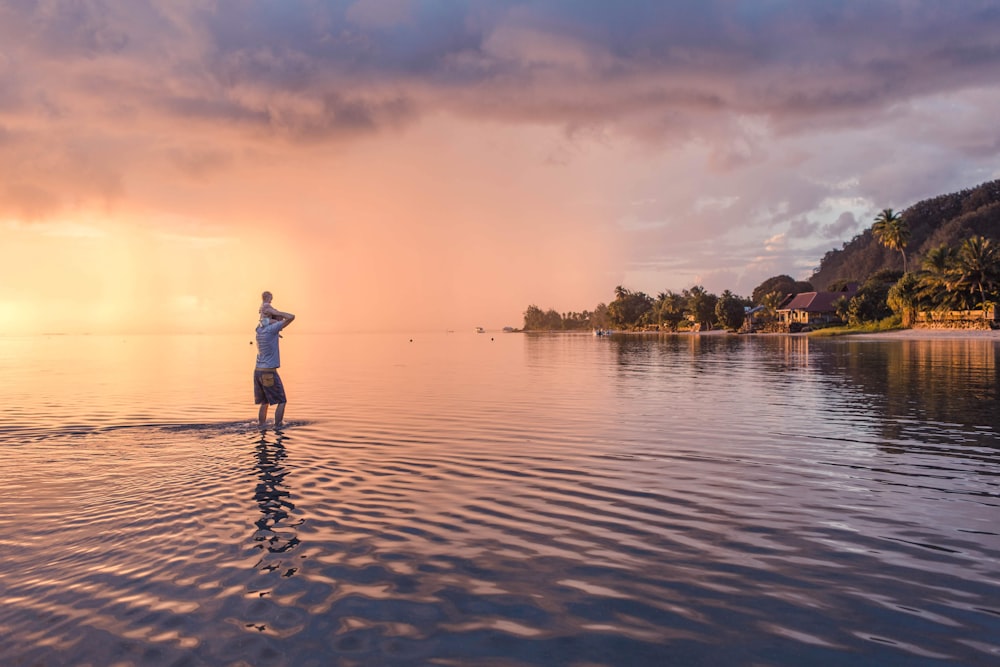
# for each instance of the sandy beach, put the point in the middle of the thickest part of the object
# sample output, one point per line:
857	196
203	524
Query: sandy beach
935	334
898	334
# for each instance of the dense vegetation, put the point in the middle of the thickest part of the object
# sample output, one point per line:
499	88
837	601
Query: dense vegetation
940	254
693	308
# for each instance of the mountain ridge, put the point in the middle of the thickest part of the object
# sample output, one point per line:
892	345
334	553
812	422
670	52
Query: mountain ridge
942	220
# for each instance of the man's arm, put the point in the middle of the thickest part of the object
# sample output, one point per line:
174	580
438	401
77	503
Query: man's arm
286	319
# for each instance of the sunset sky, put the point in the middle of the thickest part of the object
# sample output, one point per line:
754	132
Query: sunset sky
427	165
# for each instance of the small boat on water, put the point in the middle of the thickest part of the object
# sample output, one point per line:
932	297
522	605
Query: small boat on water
603	332
480	330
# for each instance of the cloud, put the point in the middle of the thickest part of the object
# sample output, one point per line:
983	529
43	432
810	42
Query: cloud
692	135
808	58
801	228
844	225
650	69
380	14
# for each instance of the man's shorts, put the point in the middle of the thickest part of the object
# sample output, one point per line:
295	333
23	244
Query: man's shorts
267	387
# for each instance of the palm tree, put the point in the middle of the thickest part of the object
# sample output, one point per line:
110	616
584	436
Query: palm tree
904	298
628	308
935	279
891	231
976	268
669	307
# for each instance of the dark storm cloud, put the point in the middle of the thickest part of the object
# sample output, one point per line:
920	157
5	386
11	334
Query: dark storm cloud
554	61
651	68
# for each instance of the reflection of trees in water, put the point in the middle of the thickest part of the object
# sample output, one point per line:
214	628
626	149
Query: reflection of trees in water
748	356
941	391
907	392
700	350
274	503
936	392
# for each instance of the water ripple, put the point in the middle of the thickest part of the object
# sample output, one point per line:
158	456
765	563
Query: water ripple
640	503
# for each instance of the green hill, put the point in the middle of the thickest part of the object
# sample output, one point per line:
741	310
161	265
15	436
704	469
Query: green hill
946	219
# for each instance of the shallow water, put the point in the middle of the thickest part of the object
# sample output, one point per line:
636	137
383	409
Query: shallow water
501	499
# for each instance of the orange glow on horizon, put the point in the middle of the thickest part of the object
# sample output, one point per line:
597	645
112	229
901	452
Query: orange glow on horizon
363	240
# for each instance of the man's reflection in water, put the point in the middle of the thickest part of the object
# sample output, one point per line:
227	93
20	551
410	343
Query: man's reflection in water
272	535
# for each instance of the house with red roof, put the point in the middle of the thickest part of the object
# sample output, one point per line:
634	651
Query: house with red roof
809	309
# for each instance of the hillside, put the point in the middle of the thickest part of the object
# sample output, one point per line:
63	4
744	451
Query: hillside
946	219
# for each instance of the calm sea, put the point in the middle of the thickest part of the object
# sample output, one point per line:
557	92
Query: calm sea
501	499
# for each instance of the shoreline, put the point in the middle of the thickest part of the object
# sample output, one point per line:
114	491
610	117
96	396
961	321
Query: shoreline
933	334
896	334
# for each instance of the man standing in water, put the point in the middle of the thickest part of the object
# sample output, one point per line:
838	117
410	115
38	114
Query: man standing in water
267	387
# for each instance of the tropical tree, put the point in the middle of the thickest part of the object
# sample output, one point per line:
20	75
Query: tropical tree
575	321
668	310
553	320
600	319
842	306
534	318
730	310
904	298
869	303
700	305
892	231
771	301
976	268
937	272
628	308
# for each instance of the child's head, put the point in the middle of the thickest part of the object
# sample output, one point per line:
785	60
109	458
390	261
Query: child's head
266	297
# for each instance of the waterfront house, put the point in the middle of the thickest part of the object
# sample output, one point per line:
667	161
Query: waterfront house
809	309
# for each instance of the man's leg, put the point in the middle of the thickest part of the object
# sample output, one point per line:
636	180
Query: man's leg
262	414
279	415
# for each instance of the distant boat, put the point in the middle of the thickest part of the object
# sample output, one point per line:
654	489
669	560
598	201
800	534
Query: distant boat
603	332
480	330
508	329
